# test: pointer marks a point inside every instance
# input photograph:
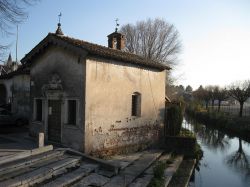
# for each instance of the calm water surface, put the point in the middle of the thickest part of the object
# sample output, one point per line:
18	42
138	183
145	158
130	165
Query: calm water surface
226	160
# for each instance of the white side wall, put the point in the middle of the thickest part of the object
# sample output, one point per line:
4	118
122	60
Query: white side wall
109	125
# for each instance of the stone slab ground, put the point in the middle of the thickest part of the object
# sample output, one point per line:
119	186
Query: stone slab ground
29	166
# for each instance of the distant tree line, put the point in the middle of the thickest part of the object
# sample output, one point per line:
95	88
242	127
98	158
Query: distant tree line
240	91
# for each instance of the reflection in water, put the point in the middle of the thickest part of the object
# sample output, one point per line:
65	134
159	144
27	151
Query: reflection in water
226	159
239	161
211	137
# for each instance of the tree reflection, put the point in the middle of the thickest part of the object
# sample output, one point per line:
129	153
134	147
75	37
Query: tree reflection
239	161
212	138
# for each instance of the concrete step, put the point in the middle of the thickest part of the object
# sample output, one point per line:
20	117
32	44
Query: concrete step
183	174
145	178
43	173
74	176
24	154
171	169
104	164
93	179
30	168
135	169
28	162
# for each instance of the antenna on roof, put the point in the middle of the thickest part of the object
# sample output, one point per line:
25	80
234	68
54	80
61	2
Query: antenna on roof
116	24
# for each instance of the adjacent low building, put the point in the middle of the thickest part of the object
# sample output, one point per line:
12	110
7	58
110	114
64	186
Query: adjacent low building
15	88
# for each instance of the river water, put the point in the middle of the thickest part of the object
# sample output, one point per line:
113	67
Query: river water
226	159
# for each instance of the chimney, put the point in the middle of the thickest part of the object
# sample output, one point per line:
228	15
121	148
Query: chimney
116	40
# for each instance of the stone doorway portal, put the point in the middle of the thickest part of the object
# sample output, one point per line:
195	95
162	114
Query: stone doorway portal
54	120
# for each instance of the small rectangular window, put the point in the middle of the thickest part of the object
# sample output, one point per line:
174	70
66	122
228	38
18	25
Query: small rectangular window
136	104
72	112
39	109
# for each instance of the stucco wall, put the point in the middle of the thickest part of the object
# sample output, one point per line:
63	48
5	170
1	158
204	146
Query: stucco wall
21	95
69	67
109	126
7	84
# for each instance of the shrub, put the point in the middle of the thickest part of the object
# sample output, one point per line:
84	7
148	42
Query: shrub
158	179
159	169
174	120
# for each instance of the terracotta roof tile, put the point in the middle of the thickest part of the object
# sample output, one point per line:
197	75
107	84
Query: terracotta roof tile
96	50
115	54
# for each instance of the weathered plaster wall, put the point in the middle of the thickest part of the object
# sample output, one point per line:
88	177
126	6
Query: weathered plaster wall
69	67
8	84
109	126
21	95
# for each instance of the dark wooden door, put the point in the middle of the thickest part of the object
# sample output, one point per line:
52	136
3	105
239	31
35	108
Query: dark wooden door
54	120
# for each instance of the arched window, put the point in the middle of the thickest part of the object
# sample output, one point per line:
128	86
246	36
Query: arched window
136	104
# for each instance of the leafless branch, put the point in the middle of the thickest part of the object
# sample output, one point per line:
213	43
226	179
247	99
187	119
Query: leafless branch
155	39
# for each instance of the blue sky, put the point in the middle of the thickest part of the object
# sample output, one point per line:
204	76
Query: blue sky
215	34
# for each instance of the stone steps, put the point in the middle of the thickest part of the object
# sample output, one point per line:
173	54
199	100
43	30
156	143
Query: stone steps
148	174
28	162
64	167
30	168
183	174
171	169
72	177
24	154
135	169
43	173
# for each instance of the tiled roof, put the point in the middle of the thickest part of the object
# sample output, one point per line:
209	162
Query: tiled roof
3	69
20	71
98	50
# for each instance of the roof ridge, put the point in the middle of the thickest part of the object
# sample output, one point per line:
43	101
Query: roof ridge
100	50
90	43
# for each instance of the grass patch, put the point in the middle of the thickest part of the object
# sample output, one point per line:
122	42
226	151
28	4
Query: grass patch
186	133
158	169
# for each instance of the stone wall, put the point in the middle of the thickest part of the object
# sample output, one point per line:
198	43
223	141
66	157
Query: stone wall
109	126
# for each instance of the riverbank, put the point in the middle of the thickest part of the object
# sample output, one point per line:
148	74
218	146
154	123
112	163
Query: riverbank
238	126
226	157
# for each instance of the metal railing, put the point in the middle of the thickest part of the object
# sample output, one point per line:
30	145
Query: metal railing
232	109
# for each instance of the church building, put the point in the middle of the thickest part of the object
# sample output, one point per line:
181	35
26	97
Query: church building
95	99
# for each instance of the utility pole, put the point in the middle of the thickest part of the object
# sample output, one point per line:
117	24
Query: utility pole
16	41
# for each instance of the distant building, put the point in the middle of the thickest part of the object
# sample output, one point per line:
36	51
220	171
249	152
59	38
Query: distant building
15	88
9	66
95	99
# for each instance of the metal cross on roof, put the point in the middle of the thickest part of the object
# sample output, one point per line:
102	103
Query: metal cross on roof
117	24
59	17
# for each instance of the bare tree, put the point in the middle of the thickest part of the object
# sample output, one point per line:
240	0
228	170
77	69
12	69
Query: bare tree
12	12
155	39
202	95
221	94
189	89
241	92
211	92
